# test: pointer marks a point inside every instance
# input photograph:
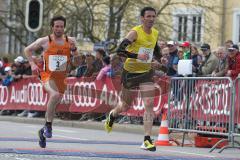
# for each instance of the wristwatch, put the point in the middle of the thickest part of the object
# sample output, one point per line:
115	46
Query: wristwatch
74	49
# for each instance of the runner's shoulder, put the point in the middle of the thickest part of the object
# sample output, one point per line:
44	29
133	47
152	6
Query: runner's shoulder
42	40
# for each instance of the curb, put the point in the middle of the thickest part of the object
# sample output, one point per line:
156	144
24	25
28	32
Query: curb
129	128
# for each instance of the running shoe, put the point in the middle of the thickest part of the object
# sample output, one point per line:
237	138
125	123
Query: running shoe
47	132
109	122
148	145
42	139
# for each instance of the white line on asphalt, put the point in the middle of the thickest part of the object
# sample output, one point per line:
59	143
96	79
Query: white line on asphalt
57	135
189	153
22	158
63	130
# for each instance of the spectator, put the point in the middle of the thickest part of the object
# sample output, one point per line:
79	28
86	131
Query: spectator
196	58
186	50
222	66
98	63
27	73
1	70
209	63
90	68
9	77
116	66
228	44
19	62
107	66
6	81
5	62
161	68
80	63
173	59
233	62
180	53
162	44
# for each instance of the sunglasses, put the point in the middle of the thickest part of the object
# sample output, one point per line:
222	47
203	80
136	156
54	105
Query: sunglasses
230	50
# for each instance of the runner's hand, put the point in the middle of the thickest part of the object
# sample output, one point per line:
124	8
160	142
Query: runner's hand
35	68
73	47
156	64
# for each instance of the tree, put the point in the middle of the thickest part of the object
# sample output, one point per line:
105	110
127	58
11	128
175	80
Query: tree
100	20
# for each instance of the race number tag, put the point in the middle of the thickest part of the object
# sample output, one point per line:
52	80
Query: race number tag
148	51
57	63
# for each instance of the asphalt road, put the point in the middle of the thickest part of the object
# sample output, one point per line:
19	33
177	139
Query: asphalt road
18	141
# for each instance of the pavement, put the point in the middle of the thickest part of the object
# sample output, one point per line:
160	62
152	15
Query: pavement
129	128
103	146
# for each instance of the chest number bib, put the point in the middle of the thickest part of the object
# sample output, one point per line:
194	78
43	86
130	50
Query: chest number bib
57	63
147	51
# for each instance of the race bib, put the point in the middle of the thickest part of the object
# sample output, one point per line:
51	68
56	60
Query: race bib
57	63
148	51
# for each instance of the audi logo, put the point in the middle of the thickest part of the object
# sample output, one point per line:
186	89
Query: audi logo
3	95
83	94
139	105
36	95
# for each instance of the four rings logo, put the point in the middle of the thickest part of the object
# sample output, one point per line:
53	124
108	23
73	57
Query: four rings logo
85	94
3	95
139	105
36	95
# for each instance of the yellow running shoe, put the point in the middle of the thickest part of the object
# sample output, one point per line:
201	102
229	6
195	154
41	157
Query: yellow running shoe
109	123
148	145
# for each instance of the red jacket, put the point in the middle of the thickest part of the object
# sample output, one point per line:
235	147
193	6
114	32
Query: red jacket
234	66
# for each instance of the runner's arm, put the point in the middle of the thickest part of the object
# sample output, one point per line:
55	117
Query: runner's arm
121	51
73	46
37	45
157	52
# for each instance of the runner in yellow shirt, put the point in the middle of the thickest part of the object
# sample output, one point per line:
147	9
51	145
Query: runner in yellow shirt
138	46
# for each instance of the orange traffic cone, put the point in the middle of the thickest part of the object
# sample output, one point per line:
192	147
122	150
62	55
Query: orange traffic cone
163	138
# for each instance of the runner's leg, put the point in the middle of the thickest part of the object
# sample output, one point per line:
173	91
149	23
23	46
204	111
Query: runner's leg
122	106
54	99
147	93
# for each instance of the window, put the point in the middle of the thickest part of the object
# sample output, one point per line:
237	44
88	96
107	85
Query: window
196	28
236	26
182	28
188	25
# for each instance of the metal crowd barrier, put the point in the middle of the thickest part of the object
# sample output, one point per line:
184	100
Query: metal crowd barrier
206	106
234	120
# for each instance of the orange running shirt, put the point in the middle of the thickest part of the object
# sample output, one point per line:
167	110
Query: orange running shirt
56	59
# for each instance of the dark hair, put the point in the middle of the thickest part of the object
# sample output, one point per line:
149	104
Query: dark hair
147	9
106	60
58	18
229	41
101	51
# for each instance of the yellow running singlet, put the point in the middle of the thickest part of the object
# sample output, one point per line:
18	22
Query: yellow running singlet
144	43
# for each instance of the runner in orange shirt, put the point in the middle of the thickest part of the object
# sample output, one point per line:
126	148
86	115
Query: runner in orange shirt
57	50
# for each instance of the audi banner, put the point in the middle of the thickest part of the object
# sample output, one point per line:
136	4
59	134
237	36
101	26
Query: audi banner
81	95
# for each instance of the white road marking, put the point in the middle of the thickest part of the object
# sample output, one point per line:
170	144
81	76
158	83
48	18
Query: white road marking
63	130
57	135
22	158
189	153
